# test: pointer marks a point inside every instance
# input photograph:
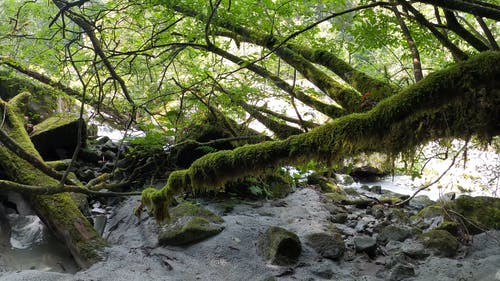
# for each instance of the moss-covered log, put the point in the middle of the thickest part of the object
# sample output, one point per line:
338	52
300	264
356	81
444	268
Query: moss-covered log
58	212
456	102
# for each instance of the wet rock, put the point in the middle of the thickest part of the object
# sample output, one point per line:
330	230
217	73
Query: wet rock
327	245
56	137
401	272
394	232
420	202
279	246
190	223
365	244
376	189
441	242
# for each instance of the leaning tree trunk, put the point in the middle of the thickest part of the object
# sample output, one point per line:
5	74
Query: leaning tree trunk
59	212
457	102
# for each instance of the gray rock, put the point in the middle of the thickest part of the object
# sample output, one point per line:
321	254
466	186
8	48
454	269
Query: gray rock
394	232
364	222
279	246
365	244
415	250
401	272
420	202
327	245
393	246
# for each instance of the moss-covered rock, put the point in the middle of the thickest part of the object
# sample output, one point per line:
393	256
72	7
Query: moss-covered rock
431	211
57	137
484	211
186	230
441	242
279	246
190	223
450	226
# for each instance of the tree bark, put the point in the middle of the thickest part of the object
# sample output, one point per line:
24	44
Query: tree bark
59	212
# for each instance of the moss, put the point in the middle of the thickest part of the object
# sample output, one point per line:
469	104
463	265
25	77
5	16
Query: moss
53	122
441	241
190	209
484	211
187	230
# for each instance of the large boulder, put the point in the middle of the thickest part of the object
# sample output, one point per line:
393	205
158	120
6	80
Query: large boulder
57	137
279	246
189	224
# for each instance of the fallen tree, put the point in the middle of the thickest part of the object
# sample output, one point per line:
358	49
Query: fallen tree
59	212
457	102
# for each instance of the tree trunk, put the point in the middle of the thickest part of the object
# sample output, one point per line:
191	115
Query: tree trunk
59	212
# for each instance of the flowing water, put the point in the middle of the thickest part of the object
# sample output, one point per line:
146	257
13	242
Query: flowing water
27	244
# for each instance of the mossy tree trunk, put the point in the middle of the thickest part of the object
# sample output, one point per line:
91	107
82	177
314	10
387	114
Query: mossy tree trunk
59	212
457	102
